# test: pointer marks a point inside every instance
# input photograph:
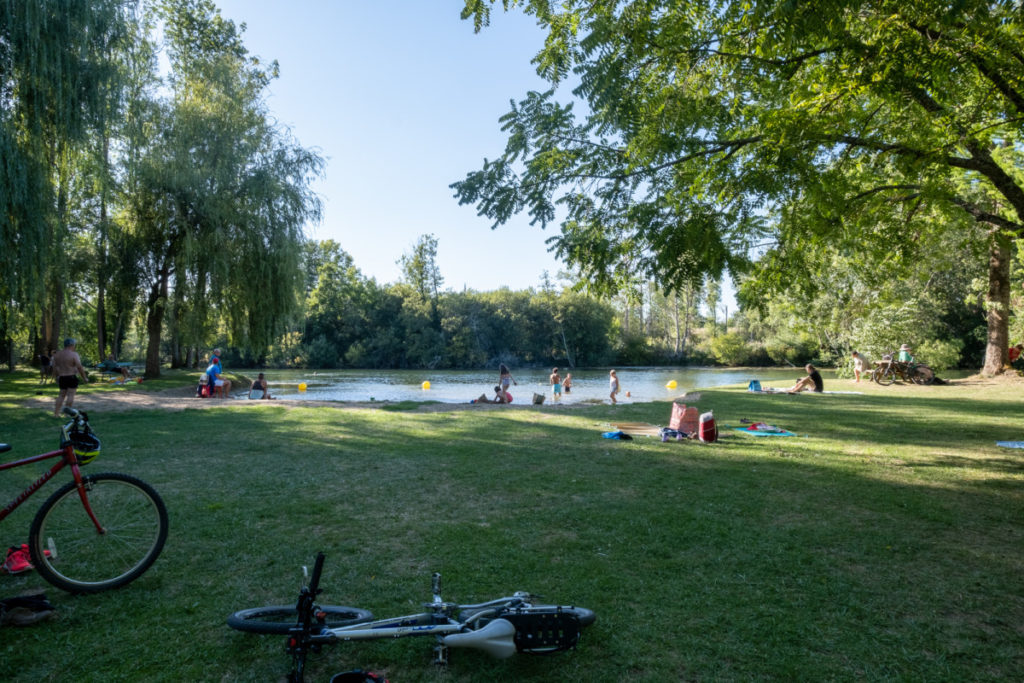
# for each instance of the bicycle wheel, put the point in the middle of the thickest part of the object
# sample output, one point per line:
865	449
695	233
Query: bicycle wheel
68	552
279	619
923	375
886	376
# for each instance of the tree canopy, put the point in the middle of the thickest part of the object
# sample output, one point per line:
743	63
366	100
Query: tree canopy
749	136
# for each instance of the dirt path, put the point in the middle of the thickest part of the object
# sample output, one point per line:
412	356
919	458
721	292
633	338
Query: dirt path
184	399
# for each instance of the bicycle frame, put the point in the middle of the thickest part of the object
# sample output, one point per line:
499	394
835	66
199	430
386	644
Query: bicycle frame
67	458
496	638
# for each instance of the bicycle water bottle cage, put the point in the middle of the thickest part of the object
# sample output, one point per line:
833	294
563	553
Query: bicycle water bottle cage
544	631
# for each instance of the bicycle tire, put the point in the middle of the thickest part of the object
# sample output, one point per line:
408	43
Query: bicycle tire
923	375
280	619
69	553
886	377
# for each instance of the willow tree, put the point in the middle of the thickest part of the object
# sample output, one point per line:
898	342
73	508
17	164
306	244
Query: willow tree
712	125
224	194
52	63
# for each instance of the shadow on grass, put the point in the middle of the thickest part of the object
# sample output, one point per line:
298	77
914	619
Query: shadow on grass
884	545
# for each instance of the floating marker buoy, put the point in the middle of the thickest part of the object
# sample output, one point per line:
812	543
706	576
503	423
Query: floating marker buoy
302	386
426	385
671	384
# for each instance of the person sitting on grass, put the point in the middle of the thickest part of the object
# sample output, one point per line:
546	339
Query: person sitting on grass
500	396
812	381
1014	355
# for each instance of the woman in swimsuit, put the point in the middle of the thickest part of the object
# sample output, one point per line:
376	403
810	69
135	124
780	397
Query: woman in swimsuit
505	377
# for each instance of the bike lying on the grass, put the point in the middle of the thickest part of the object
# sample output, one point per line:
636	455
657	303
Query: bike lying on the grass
500	627
889	370
97	532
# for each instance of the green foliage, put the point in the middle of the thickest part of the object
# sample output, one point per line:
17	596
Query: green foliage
731	348
939	354
321	353
393	326
784	132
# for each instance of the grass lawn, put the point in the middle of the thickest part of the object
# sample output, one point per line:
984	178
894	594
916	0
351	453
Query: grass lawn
885	542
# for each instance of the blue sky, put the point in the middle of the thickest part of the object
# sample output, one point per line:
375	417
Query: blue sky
402	99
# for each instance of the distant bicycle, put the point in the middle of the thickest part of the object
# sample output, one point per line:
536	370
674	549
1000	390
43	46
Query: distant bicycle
889	370
500	627
98	532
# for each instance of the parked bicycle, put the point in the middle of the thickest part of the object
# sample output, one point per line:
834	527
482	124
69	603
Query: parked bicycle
98	532
889	370
500	627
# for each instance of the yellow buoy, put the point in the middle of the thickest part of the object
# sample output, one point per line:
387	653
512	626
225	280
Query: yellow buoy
671	384
302	386
426	385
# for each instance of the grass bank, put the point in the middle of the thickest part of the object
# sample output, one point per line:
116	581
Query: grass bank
884	542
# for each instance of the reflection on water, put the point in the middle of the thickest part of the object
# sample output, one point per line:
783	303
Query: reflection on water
461	386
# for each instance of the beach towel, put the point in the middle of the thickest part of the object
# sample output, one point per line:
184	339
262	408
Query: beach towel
1010	444
763	429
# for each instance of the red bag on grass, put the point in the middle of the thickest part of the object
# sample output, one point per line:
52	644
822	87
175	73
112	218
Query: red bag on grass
683	419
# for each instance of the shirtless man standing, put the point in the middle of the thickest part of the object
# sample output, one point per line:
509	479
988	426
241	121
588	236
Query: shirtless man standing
66	364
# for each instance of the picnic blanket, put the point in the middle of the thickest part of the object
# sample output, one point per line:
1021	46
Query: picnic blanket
1010	444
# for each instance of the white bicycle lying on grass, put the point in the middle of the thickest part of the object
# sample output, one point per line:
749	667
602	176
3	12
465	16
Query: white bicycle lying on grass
500	627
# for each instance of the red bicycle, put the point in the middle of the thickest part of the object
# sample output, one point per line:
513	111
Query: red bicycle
98	532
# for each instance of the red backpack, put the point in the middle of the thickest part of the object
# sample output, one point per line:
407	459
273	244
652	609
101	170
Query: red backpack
706	430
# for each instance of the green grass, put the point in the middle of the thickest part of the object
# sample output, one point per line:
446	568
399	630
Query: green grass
884	543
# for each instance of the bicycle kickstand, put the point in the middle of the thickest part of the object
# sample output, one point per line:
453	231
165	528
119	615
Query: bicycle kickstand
440	655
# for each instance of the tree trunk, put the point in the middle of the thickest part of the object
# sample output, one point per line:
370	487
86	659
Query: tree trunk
156	305
675	320
997	305
102	270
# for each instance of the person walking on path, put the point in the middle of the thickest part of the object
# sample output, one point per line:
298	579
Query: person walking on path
67	366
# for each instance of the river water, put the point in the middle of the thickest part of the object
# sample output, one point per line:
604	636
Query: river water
461	386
